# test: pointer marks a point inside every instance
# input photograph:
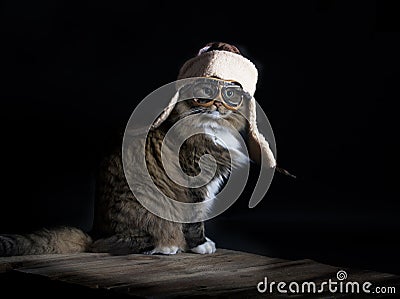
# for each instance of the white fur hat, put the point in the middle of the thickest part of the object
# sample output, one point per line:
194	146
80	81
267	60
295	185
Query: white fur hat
228	65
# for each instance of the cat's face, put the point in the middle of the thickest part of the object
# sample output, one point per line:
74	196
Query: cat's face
214	106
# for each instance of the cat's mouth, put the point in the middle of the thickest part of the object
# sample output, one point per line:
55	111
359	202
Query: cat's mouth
211	113
215	114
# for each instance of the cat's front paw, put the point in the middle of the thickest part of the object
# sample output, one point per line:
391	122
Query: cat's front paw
168	250
206	248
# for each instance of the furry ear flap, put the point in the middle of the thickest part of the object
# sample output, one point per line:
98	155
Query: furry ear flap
167	111
259	149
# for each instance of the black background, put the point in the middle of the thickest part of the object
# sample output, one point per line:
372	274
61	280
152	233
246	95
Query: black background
72	73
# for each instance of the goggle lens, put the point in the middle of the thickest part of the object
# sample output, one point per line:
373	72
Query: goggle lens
206	90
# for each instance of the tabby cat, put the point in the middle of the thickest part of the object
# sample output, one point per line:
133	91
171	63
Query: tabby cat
121	224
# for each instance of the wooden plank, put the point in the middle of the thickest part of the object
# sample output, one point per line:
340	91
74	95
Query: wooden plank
226	273
14	262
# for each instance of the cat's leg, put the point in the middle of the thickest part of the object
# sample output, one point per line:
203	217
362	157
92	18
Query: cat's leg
168	236
196	241
121	244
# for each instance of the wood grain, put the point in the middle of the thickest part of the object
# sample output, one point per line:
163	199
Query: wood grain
224	274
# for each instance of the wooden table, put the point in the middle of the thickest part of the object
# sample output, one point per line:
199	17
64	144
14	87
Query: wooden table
227	274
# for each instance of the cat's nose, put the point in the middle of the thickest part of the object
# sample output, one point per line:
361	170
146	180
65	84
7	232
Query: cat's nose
218	103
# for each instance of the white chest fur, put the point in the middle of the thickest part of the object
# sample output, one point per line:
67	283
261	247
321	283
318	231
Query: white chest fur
224	137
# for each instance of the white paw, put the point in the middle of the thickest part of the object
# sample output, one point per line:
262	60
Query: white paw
206	248
164	250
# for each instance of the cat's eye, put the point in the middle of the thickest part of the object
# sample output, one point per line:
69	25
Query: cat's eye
205	90
233	95
229	93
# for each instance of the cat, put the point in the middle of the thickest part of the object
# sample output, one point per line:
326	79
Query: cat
121	224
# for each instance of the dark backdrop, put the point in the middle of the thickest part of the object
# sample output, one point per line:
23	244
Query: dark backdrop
72	73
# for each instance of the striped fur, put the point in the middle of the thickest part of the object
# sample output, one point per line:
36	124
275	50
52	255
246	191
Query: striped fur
56	240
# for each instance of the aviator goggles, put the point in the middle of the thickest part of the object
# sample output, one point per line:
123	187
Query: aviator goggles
205	91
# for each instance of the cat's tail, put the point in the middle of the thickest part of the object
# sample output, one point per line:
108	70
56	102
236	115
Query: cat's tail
45	241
